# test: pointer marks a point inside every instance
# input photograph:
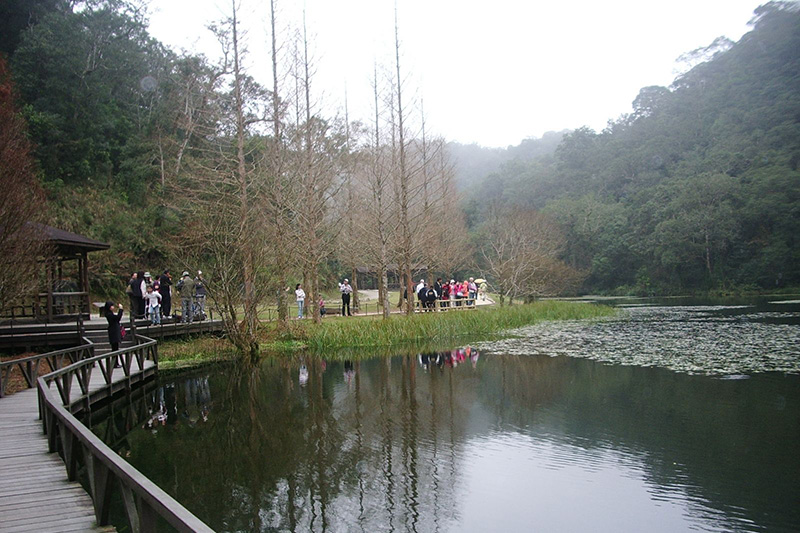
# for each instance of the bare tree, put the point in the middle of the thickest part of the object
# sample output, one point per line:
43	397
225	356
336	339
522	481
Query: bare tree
316	148
279	193
21	201
375	176
217	192
403	177
520	249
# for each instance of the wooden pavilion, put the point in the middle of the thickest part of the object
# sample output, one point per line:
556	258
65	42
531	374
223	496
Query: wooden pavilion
60	298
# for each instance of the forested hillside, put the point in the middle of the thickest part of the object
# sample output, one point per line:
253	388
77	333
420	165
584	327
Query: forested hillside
698	187
83	80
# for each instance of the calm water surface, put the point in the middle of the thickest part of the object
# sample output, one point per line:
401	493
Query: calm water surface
569	427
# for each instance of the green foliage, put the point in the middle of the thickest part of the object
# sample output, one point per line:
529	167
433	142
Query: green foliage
698	187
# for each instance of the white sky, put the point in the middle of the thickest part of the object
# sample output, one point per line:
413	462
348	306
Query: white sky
494	72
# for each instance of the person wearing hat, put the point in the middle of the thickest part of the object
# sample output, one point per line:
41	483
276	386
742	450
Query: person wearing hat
187	290
346	290
419	286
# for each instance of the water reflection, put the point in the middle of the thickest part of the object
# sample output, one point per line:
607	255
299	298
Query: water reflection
462	440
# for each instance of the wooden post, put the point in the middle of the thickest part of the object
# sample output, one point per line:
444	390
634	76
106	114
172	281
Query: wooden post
50	281
84	271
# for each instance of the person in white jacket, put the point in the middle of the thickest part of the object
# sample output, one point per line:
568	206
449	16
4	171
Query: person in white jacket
300	296
153	303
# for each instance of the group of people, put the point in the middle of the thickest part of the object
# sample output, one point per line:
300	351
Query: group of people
345	288
453	293
151	297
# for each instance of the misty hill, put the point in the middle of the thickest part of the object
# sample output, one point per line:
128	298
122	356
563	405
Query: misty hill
697	187
473	162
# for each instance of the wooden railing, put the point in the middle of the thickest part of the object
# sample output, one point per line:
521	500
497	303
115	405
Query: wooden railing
81	449
41	306
31	367
459	304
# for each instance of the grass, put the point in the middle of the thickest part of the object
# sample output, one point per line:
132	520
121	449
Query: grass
342	337
194	351
435	327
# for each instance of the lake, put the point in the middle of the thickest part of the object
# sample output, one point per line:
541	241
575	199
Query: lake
668	418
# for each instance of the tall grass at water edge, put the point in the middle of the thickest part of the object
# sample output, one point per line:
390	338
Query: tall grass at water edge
476	325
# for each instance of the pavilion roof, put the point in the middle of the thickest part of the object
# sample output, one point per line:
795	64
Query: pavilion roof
66	241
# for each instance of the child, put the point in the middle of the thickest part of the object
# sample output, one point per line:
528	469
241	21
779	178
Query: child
153	301
322	307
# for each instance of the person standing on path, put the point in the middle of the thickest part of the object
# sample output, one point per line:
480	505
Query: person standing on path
186	287
472	291
166	296
300	297
153	299
200	292
139	290
346	291
130	290
114	333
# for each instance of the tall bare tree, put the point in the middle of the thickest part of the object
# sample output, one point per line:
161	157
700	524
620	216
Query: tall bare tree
374	176
403	178
217	192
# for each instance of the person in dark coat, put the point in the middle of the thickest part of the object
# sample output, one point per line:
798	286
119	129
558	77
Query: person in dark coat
430	299
166	296
421	293
130	290
138	295
114	334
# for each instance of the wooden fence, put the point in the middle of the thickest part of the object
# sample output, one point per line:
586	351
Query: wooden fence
83	451
31	367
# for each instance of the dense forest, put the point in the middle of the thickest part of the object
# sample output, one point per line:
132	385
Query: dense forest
697	188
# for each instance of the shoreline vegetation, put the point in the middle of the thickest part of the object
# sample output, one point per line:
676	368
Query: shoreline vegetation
341	338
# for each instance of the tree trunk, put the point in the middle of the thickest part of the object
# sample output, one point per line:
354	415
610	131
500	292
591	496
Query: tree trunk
315	294
355	287
384	286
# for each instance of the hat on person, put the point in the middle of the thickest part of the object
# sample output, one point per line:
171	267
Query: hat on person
199	272
452	281
345	280
185	273
147	274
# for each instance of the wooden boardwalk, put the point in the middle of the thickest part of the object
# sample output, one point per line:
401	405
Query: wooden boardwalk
34	492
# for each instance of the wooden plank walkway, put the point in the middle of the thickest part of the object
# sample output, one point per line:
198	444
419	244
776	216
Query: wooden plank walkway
35	494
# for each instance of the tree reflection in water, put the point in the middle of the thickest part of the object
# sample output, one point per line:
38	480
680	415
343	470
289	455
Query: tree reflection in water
401	443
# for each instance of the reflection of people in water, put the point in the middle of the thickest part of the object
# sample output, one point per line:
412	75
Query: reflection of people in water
303	375
473	355
450	358
159	416
197	397
349	373
424	361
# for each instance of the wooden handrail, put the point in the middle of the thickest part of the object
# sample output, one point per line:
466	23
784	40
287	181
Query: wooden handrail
143	500
29	366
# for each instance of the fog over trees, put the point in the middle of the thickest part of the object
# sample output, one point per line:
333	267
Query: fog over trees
181	161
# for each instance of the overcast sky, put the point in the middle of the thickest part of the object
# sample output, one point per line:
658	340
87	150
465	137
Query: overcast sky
493	73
